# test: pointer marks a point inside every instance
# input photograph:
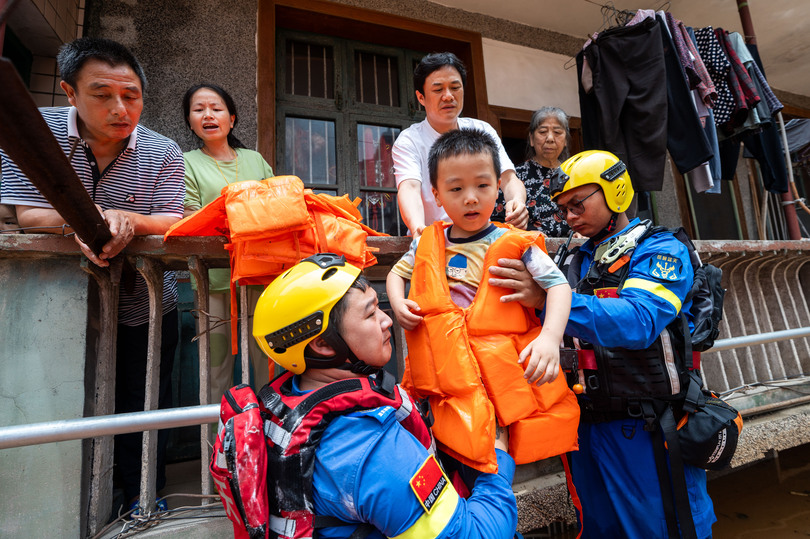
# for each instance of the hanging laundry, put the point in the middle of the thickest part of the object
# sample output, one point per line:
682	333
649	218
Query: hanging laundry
718	66
767	147
742	88
684	55
689	55
686	142
626	111
708	96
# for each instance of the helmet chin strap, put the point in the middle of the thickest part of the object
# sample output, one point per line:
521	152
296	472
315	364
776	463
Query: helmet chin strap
358	367
608	230
344	358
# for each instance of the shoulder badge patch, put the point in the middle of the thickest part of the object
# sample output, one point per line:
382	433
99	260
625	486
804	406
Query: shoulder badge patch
665	267
428	483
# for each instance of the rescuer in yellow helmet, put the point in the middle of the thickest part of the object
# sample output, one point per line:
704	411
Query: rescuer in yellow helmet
593	167
301	305
632	297
347	447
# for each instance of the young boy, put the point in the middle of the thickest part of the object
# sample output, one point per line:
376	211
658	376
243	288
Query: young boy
475	357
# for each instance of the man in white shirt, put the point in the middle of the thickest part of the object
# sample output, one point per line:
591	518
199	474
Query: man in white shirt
439	81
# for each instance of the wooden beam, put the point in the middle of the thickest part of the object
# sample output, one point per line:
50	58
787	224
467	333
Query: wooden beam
683	200
266	82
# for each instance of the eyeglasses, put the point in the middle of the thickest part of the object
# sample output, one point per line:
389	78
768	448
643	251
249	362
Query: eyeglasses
576	207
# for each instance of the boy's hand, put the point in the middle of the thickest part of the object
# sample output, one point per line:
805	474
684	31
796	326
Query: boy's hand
543	355
405	312
501	437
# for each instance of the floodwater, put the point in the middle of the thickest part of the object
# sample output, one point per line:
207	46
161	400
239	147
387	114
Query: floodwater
753	503
767	500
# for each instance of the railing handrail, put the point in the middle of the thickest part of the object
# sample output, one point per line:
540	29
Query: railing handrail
758	338
89	427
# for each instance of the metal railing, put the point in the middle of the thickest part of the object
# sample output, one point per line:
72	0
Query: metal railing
89	427
765	282
767	285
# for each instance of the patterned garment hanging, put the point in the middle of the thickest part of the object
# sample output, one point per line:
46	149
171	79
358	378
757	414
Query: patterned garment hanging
719	67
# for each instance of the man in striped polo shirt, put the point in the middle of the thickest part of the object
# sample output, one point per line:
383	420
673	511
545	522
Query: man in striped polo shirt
135	177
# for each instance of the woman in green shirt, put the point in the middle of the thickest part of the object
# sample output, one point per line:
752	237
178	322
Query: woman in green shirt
210	113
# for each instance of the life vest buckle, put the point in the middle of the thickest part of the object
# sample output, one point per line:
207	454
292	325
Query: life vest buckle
384	383
568	359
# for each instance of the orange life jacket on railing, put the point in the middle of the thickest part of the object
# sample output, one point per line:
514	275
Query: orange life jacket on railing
273	224
466	362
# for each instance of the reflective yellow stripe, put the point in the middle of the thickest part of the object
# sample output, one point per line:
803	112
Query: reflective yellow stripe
433	524
656	289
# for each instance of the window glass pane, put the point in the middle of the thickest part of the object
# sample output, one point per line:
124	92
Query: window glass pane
376	170
374	160
310	150
376	79
381	212
310	70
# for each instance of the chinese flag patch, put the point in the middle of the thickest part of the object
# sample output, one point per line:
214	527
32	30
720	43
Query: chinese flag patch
606	293
428	483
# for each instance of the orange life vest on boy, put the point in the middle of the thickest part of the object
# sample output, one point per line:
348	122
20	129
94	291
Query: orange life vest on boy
466	362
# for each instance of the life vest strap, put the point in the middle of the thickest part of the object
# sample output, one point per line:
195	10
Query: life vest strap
277	434
585	359
284	527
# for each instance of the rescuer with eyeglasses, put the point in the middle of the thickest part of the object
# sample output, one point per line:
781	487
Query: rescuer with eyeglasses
631	282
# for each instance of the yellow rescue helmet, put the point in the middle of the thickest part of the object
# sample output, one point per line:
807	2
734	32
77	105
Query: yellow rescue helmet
295	307
599	167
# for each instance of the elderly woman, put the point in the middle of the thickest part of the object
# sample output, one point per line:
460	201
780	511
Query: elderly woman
547	144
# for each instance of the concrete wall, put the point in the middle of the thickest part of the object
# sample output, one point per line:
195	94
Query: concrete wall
43	330
526	78
182	43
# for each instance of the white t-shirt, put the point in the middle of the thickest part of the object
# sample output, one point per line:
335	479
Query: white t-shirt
411	151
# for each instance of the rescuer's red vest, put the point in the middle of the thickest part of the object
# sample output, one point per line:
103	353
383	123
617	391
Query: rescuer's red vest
264	455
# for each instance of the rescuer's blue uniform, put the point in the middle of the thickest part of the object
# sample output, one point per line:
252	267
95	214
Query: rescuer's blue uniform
364	466
616	456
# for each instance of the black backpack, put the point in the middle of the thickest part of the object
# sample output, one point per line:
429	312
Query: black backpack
707	296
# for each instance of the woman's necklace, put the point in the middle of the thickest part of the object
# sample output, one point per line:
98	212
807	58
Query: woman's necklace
216	162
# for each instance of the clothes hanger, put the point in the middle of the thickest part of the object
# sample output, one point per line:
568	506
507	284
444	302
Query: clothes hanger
605	10
611	17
